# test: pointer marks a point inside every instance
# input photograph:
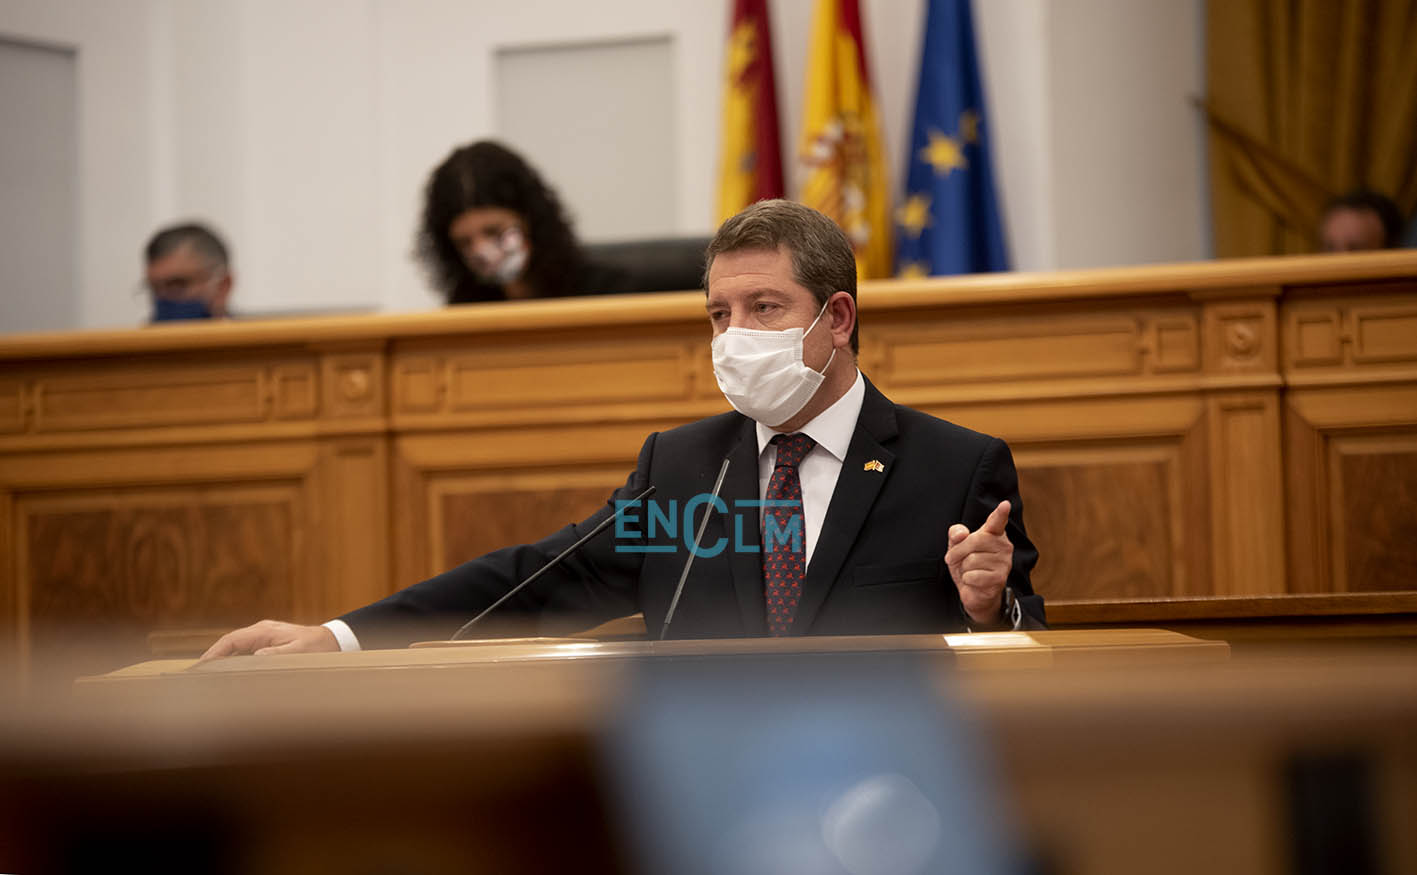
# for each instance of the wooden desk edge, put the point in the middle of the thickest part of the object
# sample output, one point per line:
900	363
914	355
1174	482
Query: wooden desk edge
977	650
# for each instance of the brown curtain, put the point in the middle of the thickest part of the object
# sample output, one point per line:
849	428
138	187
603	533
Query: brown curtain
1306	99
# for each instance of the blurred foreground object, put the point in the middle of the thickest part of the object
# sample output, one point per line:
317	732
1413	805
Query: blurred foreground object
1138	753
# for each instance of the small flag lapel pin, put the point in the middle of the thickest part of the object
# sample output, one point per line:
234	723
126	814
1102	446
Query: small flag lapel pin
875	465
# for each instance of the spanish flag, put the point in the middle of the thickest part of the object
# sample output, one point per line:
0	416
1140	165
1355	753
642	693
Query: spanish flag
750	166
841	147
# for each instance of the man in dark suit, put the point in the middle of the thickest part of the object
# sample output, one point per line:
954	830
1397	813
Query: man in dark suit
840	513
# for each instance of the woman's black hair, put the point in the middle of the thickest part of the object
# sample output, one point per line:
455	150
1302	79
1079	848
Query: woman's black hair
487	174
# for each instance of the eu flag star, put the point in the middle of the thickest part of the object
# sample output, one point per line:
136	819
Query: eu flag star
943	153
914	215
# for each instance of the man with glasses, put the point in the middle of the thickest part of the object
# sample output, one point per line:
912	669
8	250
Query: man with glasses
187	273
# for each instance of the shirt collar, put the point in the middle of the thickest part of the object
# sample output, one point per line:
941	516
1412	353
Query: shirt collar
832	428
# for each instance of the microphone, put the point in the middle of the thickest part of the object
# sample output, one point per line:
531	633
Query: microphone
581	542
684	575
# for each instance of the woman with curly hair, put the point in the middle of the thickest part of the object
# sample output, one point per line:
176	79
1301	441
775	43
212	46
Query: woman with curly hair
492	230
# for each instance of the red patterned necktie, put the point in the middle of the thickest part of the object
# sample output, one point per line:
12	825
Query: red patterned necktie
784	533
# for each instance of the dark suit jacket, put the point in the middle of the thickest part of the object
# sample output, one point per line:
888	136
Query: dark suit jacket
877	566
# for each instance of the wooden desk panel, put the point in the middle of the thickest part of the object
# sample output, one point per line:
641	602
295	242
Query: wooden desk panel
1239	428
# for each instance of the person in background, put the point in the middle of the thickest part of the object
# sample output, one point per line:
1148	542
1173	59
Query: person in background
492	230
1360	220
188	273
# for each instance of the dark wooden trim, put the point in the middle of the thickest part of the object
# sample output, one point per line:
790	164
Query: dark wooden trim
1270	607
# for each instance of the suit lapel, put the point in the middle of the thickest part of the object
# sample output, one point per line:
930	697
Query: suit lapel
741	527
856	490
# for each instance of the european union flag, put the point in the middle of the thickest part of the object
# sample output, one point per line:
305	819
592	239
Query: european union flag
949	222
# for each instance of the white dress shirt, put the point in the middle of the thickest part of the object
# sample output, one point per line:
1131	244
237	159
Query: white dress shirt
831	429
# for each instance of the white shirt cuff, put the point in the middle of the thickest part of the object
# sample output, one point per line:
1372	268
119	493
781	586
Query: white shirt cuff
343	634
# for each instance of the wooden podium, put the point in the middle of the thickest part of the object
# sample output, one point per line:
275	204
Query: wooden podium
1236	428
441	659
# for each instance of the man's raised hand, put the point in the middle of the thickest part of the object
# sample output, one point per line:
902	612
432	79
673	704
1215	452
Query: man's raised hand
979	563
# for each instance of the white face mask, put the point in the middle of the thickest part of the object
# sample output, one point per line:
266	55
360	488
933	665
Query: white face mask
502	261
762	374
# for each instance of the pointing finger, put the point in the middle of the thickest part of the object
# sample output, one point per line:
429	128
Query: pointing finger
997	520
957	533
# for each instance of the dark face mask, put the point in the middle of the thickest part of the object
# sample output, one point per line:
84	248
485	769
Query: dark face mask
167	310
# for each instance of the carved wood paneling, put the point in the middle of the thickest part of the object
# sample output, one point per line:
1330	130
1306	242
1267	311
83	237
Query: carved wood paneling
427	467
140	394
420	384
1385	334
1350	466
1247	521
1176	345
559	378
478	522
567	373
1241	337
1013	349
1105	521
1306	505
353	535
353	384
1373	488
137	399
110	568
1315	338
12	648
1342	336
296	391
476	513
12	406
192	557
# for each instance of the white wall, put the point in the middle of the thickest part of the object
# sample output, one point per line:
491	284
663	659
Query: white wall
1126	146
115	143
305	129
